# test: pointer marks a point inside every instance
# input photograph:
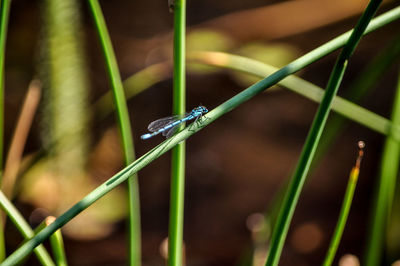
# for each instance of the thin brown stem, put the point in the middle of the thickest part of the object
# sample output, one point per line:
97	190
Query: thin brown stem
20	136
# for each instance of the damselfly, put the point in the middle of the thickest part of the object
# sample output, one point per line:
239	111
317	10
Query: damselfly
169	125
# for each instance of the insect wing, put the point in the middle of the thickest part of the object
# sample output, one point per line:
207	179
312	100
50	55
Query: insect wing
162	122
171	131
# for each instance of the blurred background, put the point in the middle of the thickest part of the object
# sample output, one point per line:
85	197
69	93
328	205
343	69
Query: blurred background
235	167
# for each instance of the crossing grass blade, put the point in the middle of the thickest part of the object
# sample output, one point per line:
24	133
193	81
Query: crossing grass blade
23	227
357	91
296	184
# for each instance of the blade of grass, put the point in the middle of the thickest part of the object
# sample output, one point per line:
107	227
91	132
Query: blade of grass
393	229
168	144
345	209
384	191
177	197
4	16
125	130
357	91
56	241
57	244
296	184
24	228
374	70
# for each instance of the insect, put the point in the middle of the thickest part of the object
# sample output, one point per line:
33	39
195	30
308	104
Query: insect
169	125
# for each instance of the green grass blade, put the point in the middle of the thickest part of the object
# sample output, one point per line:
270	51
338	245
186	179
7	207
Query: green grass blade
176	221
175	236
24	228
291	198
345	209
4	16
358	89
384	191
393	229
56	241
125	129
168	144
57	244
374	70
2	240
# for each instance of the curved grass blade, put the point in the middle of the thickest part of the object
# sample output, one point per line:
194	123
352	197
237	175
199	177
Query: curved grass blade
296	184
125	130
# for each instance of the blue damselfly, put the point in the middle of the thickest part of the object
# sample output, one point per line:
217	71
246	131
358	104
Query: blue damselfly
169	125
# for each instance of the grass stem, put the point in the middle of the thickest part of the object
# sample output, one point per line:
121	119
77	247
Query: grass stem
384	191
345	209
175	239
125	130
57	244
4	16
24	228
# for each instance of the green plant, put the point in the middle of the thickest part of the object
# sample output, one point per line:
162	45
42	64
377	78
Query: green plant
175	236
344	211
177	142
125	130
